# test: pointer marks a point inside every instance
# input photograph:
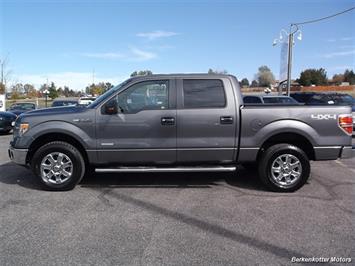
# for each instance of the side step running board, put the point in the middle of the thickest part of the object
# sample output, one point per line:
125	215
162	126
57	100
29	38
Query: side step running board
166	169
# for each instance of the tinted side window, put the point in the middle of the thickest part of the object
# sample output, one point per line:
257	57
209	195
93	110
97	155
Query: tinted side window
148	95
208	93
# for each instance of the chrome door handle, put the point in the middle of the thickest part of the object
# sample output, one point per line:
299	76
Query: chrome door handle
226	120
168	121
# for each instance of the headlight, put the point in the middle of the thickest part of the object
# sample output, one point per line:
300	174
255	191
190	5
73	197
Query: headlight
24	127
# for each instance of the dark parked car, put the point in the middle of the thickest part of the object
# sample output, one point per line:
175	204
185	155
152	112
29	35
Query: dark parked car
314	98
64	102
266	99
19	108
317	98
6	121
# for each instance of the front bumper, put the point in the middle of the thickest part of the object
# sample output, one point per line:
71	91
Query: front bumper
347	152
18	156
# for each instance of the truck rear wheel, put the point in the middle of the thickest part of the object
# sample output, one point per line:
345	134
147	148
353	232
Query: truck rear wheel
58	165
284	168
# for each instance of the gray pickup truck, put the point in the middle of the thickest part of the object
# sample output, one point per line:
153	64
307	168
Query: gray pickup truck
179	123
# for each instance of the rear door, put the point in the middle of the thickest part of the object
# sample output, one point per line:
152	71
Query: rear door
206	121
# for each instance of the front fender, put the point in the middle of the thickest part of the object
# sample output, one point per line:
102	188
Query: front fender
62	127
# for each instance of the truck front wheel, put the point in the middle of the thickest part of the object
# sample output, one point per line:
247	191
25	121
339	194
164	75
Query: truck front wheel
58	165
284	168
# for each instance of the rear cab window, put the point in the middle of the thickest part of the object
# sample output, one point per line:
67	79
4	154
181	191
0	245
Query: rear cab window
203	93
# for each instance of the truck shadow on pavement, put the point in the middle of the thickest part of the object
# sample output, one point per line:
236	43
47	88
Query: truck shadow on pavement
244	179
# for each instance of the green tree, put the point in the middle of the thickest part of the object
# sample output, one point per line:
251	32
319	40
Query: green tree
338	79
141	73
99	88
214	71
29	89
245	82
254	84
66	91
4	74
349	76
60	92
17	89
108	86
72	93
313	76
2	88
264	76
53	93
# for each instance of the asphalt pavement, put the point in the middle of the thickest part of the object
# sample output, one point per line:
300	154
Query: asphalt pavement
175	219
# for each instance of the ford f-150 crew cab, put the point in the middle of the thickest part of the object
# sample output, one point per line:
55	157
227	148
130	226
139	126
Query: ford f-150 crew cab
179	123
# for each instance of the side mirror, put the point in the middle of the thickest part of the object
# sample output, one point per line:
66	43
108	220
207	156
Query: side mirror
110	108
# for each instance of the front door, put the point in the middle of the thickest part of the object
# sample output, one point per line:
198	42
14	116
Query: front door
144	130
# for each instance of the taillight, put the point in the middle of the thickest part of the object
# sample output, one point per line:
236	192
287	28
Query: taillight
346	123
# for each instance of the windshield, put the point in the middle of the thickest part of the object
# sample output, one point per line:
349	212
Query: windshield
107	94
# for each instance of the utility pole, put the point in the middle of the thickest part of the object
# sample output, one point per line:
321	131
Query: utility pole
289	61
2	71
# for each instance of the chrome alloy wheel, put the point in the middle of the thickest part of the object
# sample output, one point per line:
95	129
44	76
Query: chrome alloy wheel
286	170
56	168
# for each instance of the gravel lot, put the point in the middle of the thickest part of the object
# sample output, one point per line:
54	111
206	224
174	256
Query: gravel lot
175	219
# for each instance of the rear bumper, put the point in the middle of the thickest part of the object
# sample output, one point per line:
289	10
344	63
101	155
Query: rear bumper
18	156
347	152
333	152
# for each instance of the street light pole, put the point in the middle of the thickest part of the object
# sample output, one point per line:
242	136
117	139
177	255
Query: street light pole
290	35
289	60
46	92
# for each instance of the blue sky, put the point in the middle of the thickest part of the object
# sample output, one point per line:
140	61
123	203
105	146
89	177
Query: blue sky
65	40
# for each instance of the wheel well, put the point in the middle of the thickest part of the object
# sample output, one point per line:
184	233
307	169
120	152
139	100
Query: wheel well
43	139
290	138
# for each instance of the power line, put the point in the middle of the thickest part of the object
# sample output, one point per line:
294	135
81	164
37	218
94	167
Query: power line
320	19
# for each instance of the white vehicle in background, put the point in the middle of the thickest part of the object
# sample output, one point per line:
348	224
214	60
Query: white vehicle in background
86	100
2	102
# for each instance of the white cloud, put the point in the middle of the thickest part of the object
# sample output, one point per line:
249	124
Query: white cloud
346	38
336	54
341	39
74	80
104	55
340	68
133	54
140	55
347	46
156	34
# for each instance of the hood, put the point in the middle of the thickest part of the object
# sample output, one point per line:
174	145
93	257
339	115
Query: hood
17	112
55	111
8	115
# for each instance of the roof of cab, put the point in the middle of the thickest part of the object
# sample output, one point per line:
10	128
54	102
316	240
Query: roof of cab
179	75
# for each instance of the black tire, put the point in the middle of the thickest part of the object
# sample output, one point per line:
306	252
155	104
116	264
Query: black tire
78	165
268	159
